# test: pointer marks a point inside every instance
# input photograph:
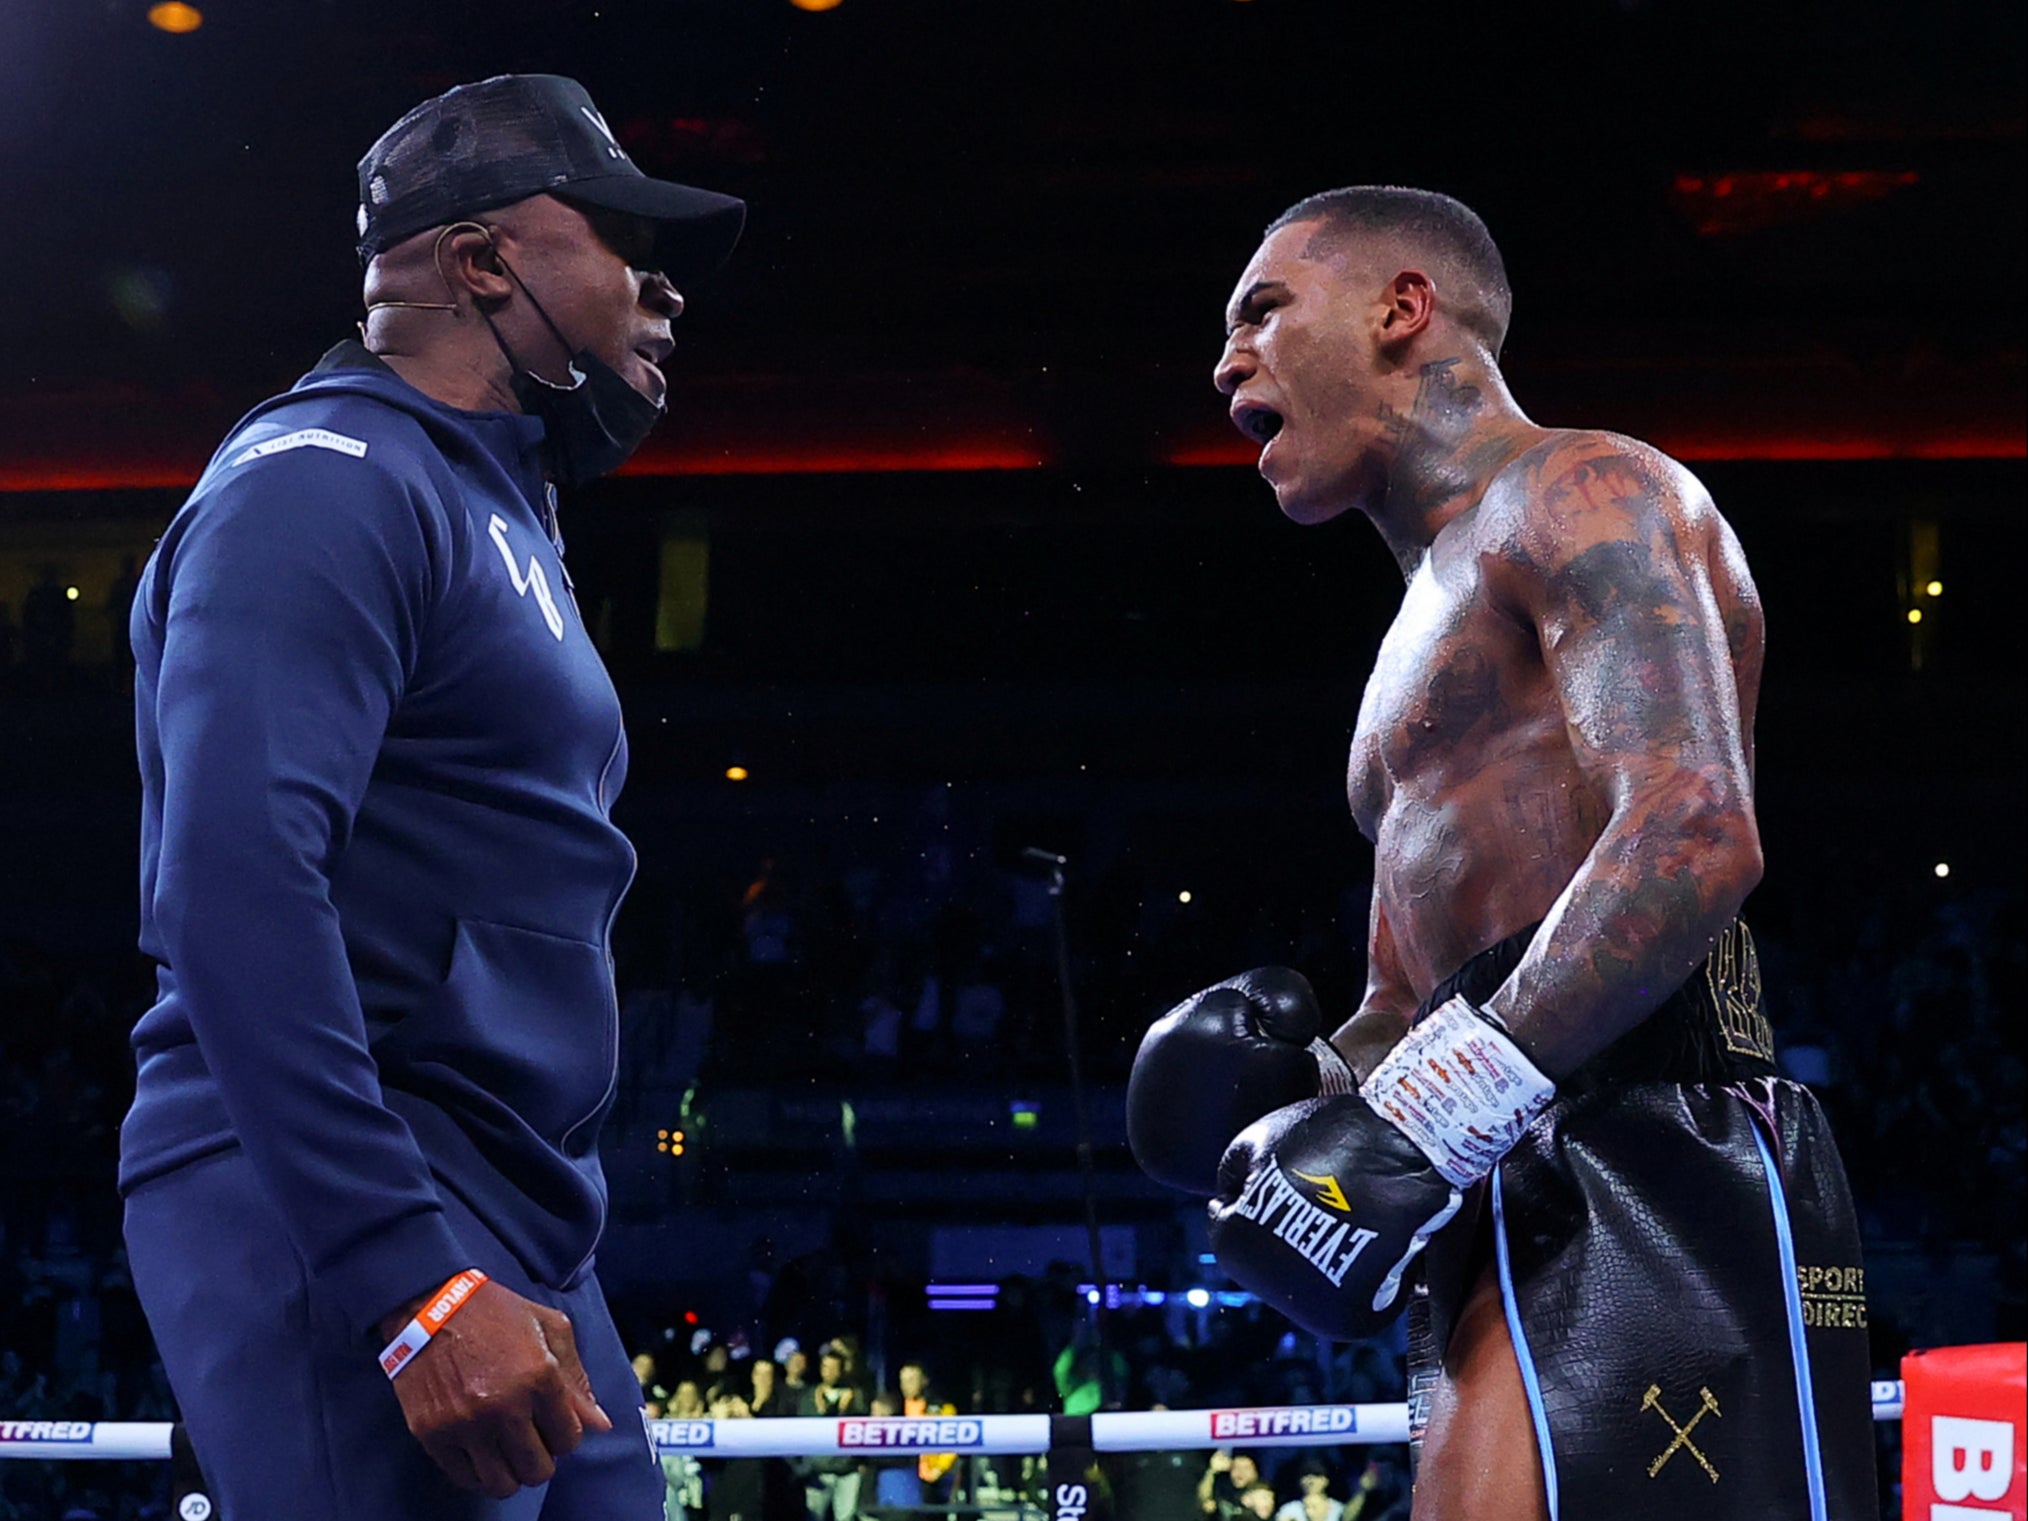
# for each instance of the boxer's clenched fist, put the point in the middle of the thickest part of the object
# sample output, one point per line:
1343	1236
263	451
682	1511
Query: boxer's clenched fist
1322	1209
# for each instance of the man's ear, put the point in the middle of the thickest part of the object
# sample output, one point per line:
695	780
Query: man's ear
471	264
1406	307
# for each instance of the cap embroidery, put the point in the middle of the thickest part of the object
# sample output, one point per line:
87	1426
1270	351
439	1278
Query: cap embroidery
613	143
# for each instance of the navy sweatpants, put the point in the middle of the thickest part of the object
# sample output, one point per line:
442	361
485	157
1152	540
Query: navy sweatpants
289	1413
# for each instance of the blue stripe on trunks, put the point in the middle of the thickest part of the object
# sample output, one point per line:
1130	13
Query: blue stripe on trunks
1521	1354
1813	1457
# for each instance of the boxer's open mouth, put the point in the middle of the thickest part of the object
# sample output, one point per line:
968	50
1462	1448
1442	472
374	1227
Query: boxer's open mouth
1257	422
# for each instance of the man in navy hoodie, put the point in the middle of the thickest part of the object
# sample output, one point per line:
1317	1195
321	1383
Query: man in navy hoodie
379	872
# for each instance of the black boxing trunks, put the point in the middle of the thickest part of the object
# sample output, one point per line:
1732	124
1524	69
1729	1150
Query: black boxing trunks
1679	1264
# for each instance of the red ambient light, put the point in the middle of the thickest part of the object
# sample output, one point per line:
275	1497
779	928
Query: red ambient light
1720	205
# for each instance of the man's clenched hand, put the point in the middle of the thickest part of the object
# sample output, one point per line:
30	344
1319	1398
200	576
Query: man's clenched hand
498	1394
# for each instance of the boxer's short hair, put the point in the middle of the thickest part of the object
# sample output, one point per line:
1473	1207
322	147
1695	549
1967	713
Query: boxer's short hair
1427	219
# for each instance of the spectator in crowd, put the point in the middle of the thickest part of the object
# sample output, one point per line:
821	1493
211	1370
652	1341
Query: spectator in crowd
894	1478
1226	1477
795	1366
649	1378
1382	1485
1315	1502
831	1484
682	1474
733	1488
934	1470
766	1397
847	1348
1258	1500
781	1495
717	1372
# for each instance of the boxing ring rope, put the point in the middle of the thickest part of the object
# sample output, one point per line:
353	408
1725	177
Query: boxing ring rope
874	1436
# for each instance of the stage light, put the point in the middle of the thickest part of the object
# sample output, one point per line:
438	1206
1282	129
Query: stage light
1934	589
1183	896
174	17
736	773
1915	615
1198	1299
1943	869
816	5
70	594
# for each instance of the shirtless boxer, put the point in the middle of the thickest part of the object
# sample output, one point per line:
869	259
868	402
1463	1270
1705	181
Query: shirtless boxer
1580	1171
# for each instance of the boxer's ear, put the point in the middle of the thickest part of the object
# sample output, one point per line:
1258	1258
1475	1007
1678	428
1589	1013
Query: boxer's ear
1406	306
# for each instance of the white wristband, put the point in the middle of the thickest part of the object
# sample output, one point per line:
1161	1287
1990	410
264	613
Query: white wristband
411	1339
1460	1089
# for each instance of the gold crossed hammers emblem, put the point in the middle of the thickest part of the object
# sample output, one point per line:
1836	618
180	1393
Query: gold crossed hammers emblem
1652	1400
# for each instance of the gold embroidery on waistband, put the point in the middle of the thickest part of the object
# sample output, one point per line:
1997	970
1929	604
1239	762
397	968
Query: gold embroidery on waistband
1732	974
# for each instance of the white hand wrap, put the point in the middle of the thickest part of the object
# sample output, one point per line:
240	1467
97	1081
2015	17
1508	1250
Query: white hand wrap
1460	1089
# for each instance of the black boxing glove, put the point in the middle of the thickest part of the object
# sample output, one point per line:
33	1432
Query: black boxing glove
1217	1062
1324	1206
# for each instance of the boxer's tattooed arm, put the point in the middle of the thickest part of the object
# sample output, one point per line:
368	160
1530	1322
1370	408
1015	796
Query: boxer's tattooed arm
1610	561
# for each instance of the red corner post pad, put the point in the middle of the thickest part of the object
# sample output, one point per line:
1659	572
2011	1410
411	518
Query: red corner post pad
1964	1453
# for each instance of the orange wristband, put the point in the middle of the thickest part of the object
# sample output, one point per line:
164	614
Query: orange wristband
429	1320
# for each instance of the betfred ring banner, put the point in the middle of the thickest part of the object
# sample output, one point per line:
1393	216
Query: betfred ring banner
1964	1453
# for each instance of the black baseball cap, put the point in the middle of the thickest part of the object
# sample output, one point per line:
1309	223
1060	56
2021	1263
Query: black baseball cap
516	135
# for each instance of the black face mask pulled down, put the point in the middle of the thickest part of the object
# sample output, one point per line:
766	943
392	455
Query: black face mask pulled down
591	426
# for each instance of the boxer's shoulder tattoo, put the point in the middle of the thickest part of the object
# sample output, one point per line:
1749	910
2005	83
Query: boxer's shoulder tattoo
1606	553
1622	602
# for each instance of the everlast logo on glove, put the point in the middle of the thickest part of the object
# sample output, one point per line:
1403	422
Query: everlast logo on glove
1392	1201
1329	1245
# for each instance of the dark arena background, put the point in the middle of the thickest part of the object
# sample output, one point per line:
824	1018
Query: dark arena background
948	551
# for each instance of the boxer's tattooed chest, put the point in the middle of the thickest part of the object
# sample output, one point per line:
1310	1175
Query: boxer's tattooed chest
1449	680
1462	772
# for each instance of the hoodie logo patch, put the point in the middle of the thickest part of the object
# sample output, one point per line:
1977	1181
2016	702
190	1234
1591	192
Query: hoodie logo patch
302	438
533	580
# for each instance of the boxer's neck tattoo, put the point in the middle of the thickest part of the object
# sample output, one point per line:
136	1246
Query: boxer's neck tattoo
1442	408
1433	462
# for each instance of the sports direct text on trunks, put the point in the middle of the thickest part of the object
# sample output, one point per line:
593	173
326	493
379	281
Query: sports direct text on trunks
1313	1420
929	1435
1328	1244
